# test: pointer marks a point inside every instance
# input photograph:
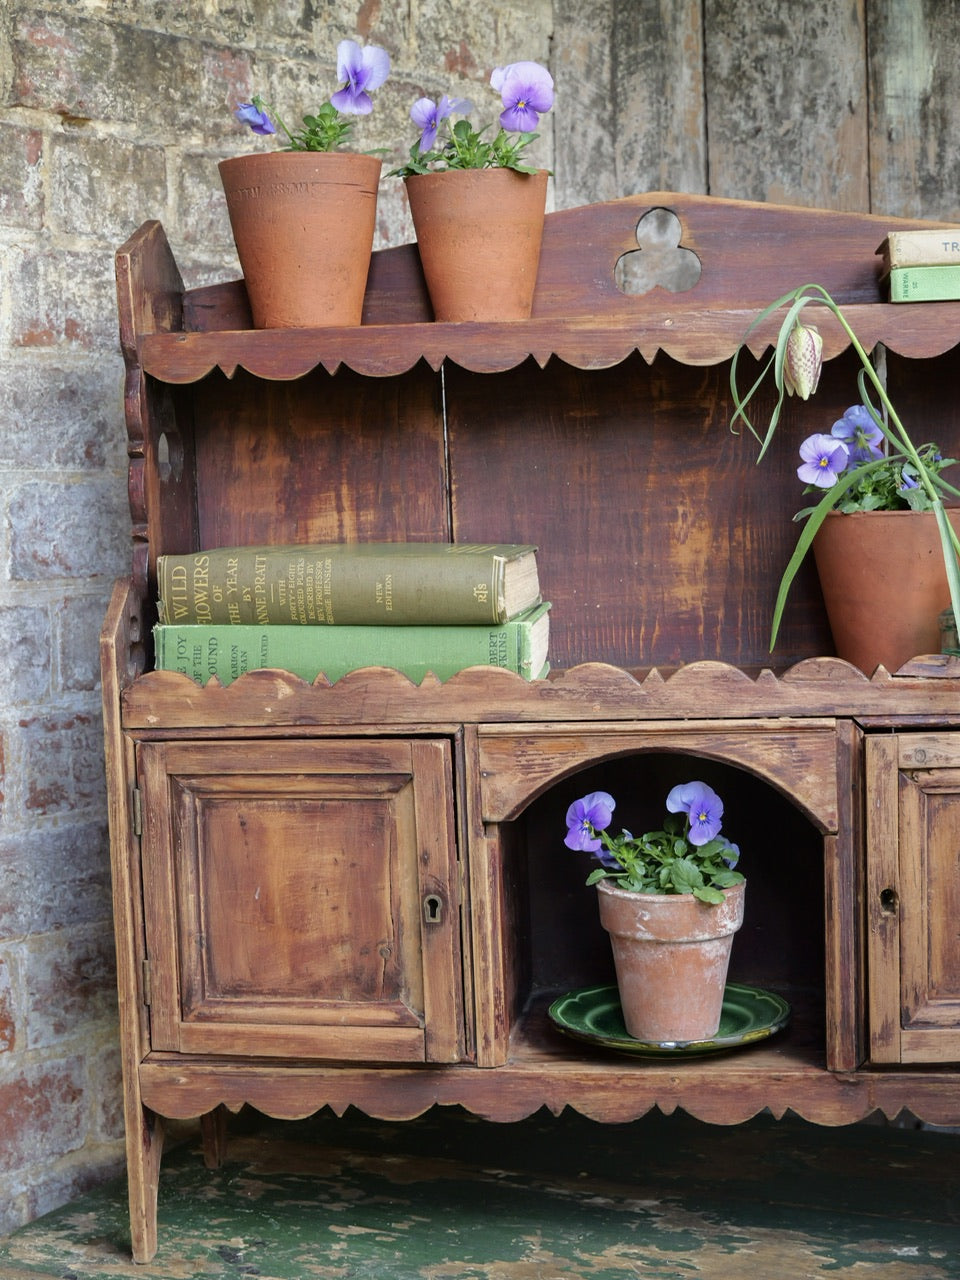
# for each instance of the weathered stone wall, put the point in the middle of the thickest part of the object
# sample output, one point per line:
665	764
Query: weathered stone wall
112	113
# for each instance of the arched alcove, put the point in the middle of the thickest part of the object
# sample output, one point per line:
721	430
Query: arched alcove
782	941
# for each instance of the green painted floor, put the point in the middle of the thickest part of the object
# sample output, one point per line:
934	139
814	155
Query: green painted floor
450	1197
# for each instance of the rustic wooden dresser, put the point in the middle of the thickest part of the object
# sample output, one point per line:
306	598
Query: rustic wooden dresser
357	894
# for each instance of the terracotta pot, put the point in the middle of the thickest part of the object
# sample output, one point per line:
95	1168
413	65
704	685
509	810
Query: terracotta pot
479	233
303	223
671	952
883	584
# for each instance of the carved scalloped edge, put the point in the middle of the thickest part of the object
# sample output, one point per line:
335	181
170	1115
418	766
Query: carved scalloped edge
276	679
833	1101
382	351
593	677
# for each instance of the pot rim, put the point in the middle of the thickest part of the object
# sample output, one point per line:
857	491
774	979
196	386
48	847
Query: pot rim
492	169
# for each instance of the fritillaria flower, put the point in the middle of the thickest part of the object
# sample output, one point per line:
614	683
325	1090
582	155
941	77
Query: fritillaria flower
427	115
803	360
253	115
587	816
703	807
824	457
361	70
860	434
526	91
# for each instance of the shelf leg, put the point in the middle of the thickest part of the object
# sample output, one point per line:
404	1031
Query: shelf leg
144	1149
213	1132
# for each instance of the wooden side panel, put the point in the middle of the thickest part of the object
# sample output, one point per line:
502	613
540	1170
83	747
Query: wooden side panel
285	886
162	477
121	656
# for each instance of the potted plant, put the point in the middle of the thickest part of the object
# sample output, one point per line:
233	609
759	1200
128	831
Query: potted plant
477	207
303	218
671	901
885	544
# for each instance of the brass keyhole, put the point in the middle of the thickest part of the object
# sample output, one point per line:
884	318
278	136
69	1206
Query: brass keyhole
432	908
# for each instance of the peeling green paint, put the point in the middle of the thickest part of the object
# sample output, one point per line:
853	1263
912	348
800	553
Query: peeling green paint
450	1197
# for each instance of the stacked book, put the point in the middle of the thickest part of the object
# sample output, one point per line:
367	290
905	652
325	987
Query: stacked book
921	266
333	608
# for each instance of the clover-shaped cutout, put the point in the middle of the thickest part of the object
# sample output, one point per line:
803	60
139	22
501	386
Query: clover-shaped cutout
660	260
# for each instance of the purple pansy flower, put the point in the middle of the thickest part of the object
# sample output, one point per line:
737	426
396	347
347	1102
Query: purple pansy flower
526	91
584	817
860	434
361	71
824	457
703	807
427	115
259	121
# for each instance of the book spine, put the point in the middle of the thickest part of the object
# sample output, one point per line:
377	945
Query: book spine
921	248
925	284
230	651
335	586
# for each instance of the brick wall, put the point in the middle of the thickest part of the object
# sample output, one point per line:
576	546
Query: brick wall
112	113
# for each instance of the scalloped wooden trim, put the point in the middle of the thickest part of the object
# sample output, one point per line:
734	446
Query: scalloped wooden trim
276	701
697	339
606	1092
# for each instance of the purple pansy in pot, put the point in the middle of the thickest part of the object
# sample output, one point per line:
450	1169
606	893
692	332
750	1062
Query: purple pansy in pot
526	92
360	71
688	855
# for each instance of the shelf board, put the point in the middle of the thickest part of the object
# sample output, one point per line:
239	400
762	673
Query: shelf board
693	337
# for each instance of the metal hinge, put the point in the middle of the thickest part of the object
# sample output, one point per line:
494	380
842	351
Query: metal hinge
137	812
146	982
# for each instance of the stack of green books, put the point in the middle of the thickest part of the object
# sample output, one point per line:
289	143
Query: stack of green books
922	266
417	607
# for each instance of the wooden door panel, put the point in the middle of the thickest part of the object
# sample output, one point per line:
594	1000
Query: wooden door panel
930	864
913	840
284	888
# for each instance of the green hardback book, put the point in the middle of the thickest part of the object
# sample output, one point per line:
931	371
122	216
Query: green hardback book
229	651
349	584
939	283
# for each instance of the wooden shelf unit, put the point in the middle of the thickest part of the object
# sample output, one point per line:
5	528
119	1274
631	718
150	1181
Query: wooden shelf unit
274	842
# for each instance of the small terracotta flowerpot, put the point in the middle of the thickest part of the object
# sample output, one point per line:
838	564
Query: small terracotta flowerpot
671	952
303	223
883	583
479	234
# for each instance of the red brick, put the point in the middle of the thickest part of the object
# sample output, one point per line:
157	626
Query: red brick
42	1113
70	985
8	1031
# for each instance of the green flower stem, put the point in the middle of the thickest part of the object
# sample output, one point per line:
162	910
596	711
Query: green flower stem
895	434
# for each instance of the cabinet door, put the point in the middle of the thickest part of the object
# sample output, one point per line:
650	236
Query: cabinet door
913	875
301	898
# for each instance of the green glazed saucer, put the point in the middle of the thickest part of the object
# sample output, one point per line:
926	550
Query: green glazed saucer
593	1014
